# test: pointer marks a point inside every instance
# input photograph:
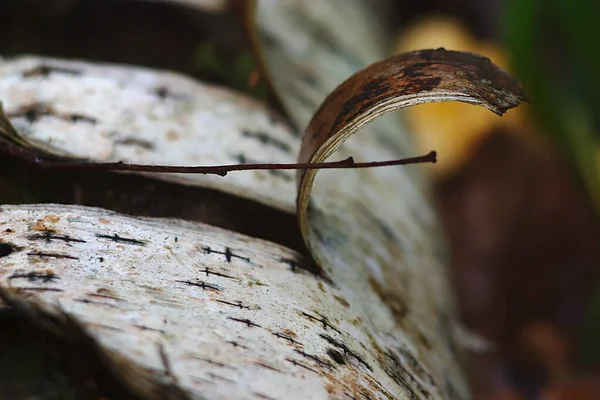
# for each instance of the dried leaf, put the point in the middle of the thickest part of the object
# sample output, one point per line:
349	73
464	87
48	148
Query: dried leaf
406	80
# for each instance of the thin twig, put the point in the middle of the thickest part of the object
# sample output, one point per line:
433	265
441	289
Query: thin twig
222	170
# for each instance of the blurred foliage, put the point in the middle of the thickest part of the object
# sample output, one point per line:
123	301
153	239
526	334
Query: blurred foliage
553	49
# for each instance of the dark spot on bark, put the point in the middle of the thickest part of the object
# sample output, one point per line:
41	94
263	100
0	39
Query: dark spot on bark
32	115
202	285
50	235
394	368
416	70
314	358
246	321
46	70
131	141
424	341
393	300
427	54
6	249
267	139
422	85
33	112
336	356
45	277
370	93
81	118
162	92
118	239
51	255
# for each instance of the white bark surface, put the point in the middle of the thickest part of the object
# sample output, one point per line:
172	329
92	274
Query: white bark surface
221	315
120	113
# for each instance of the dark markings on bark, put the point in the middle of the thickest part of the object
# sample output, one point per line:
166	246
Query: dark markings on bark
101	259
165	362
246	321
365	97
51	255
299	364
322	320
105	296
237	304
147	328
6	249
317	131
201	380
291	263
164	93
151	288
285	175
268	367
287	337
236	344
99	303
203	285
267	140
395	370
111	328
263	396
45	71
50	235
119	239
414	365
136	142
212	362
44	277
297	267
215	376
208	272
228	253
316	359
34	112
336	356
345	350
365	395
41	289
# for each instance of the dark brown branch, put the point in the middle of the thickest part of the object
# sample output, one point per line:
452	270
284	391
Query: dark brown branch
222	170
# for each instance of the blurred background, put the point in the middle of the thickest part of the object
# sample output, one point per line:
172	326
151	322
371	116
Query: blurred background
519	196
